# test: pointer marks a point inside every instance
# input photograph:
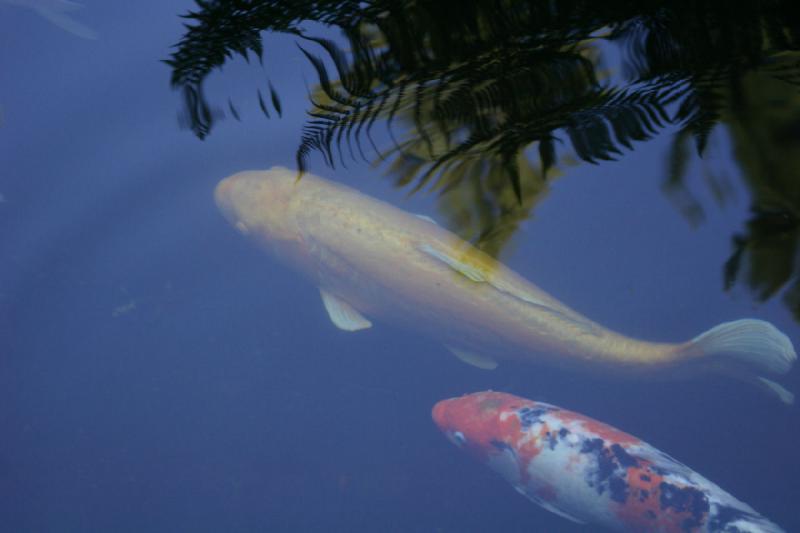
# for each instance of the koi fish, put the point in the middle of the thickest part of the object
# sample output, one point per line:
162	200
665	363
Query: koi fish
57	12
372	260
589	472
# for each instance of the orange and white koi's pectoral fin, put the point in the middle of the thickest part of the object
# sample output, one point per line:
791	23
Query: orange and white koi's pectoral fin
342	313
474	359
548	506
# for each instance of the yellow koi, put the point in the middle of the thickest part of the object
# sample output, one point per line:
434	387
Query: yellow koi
371	260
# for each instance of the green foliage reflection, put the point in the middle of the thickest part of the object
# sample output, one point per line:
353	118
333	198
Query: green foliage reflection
493	94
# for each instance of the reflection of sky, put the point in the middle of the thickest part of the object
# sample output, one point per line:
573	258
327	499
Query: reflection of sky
223	397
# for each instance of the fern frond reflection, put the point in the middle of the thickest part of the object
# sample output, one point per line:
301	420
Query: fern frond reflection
765	129
486	91
474	197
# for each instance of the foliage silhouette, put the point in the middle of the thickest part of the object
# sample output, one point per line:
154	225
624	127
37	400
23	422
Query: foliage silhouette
765	130
473	193
493	94
501	75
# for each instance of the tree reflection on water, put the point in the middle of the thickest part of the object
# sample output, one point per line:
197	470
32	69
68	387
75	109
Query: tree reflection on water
488	100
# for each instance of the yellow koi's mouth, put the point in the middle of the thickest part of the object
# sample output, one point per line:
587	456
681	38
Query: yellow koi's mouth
223	189
259	204
223	197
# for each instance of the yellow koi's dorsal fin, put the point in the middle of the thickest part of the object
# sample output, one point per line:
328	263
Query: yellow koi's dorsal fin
342	313
471	272
479	275
426	217
474	359
476	274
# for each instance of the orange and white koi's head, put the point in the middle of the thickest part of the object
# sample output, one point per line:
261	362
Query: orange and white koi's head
258	203
483	423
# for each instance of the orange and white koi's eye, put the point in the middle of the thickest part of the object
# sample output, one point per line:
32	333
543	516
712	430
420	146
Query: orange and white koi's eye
458	438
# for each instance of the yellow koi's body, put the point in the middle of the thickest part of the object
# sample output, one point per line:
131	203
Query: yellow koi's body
372	260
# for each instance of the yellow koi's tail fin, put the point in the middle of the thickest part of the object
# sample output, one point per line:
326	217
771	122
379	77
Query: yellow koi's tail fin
753	345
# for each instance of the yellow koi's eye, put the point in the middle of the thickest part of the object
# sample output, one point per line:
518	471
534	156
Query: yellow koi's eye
243	229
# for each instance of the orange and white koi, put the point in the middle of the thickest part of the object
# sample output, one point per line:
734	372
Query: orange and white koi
590	472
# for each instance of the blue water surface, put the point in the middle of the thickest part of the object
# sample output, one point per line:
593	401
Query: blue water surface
160	373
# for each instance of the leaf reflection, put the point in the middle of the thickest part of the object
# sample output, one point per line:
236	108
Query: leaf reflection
492	96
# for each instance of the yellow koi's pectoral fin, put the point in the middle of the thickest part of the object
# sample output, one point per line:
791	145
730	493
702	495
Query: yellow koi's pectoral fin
462	267
474	359
771	387
342	313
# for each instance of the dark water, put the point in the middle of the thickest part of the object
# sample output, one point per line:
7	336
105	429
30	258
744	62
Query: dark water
158	373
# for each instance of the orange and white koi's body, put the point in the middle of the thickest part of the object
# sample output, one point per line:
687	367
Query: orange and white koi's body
372	260
589	472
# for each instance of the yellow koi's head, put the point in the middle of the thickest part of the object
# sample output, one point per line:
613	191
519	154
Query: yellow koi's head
258	202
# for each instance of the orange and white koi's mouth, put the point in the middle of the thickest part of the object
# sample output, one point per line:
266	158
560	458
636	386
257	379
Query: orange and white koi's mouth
439	415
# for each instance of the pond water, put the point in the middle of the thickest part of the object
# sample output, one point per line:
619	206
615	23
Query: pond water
158	372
